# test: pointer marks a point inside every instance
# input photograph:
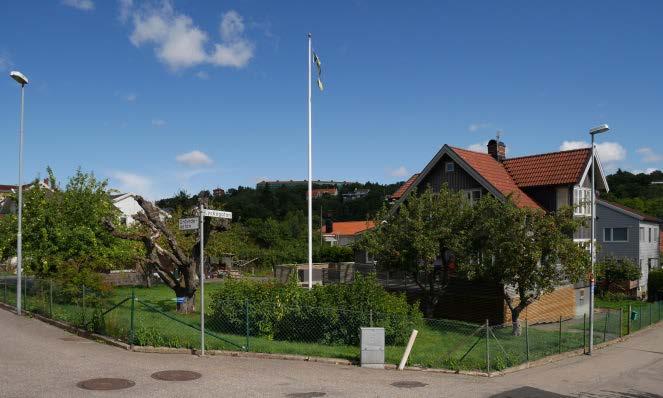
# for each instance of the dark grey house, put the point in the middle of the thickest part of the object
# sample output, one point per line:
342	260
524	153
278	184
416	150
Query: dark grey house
622	232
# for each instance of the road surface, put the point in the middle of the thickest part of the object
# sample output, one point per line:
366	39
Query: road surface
39	360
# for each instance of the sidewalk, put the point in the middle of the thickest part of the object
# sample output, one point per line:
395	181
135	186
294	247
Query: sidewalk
39	360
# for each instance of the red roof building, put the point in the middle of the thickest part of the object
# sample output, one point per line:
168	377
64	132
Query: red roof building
343	233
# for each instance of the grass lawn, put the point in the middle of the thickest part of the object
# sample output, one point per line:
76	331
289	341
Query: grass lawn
440	343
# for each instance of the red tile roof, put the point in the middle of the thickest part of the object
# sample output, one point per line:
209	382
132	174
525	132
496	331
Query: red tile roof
496	175
400	191
349	228
556	168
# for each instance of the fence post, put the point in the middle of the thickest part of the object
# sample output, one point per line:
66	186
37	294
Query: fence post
25	292
131	326
605	325
4	300
527	339
370	317
246	313
50	298
628	319
560	335
650	319
640	316
83	305
621	315
584	332
487	346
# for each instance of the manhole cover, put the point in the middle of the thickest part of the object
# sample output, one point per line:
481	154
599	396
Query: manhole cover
176	375
312	394
106	384
409	384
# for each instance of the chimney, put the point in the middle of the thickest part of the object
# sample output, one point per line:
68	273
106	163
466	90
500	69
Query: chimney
497	150
329	226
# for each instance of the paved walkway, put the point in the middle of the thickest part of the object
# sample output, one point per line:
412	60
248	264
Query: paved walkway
39	360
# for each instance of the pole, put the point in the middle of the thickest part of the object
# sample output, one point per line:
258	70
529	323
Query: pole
246	314
593	255
487	346
584	332
202	282
559	344
132	333
628	319
19	235
621	314
527	339
310	174
408	348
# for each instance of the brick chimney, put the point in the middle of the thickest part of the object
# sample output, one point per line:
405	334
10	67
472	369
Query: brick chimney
497	149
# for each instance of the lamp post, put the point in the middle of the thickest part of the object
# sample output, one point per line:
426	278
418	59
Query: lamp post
22	80
596	130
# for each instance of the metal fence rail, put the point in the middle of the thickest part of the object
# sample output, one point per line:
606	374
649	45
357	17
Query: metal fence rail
137	318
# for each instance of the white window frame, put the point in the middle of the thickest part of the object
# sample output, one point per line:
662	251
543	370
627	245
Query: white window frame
642	234
582	201
612	235
447	169
469	194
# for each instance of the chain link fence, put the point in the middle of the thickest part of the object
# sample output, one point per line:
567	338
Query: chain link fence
140	318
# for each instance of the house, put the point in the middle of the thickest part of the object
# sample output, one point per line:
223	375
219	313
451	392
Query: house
218	192
623	232
129	207
7	205
545	181
320	192
296	183
344	233
356	194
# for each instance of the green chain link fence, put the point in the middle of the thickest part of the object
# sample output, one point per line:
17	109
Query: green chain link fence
139	318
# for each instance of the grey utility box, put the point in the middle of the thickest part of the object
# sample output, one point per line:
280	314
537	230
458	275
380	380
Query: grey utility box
372	348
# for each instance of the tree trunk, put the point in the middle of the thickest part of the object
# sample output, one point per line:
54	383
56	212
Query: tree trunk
515	322
188	305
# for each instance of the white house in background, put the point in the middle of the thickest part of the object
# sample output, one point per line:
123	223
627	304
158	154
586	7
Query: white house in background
129	207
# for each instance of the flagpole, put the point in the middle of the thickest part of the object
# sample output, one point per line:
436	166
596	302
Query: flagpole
310	175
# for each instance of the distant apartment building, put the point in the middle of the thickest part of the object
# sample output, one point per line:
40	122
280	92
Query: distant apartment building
356	194
320	192
275	184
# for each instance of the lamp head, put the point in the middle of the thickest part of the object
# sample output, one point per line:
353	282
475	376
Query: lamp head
19	77
604	128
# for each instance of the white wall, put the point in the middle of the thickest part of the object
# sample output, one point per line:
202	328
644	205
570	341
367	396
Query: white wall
129	208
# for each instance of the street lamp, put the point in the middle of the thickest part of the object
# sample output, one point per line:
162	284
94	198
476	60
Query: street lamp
596	130
22	80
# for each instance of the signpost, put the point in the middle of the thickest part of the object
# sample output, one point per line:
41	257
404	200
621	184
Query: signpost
199	224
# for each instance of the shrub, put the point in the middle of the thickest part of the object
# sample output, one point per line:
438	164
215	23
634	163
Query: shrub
615	296
330	314
655	285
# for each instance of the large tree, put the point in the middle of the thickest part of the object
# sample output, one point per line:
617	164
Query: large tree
427	230
176	265
527	251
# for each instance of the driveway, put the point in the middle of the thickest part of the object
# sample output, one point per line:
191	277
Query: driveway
39	360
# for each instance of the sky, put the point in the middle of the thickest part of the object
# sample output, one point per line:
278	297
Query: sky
159	96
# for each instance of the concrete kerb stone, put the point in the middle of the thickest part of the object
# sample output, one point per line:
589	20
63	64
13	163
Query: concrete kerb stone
333	361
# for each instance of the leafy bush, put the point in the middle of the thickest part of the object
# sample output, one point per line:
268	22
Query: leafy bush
330	314
612	271
615	296
655	285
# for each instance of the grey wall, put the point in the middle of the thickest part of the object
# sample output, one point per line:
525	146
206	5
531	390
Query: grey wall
609	218
648	250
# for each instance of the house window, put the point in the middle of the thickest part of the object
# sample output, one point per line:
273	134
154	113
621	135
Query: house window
449	167
615	234
652	264
473	195
582	205
650	235
642	234
123	221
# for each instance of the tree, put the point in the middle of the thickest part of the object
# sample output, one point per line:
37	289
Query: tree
526	251
610	271
427	227
176	266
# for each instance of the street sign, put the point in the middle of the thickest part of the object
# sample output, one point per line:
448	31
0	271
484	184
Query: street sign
189	223
217	214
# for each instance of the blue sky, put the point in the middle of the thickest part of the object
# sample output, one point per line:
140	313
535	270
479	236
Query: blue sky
158	96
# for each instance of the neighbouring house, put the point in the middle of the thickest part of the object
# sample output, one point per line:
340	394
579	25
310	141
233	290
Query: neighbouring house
545	181
320	192
7	205
344	233
275	184
218	192
623	232
356	194
129	207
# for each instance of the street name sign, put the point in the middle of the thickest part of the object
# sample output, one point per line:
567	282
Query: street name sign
218	214
189	223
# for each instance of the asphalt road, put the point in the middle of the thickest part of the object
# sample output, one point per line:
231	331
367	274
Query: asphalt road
39	360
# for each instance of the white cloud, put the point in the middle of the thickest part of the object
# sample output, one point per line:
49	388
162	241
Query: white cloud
130	182
158	122
479	147
609	152
194	158
85	5
399	172
477	126
179	43
649	156
202	75
131	97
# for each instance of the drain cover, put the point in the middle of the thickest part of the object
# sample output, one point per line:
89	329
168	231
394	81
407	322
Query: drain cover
176	375
106	384
408	384
312	394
